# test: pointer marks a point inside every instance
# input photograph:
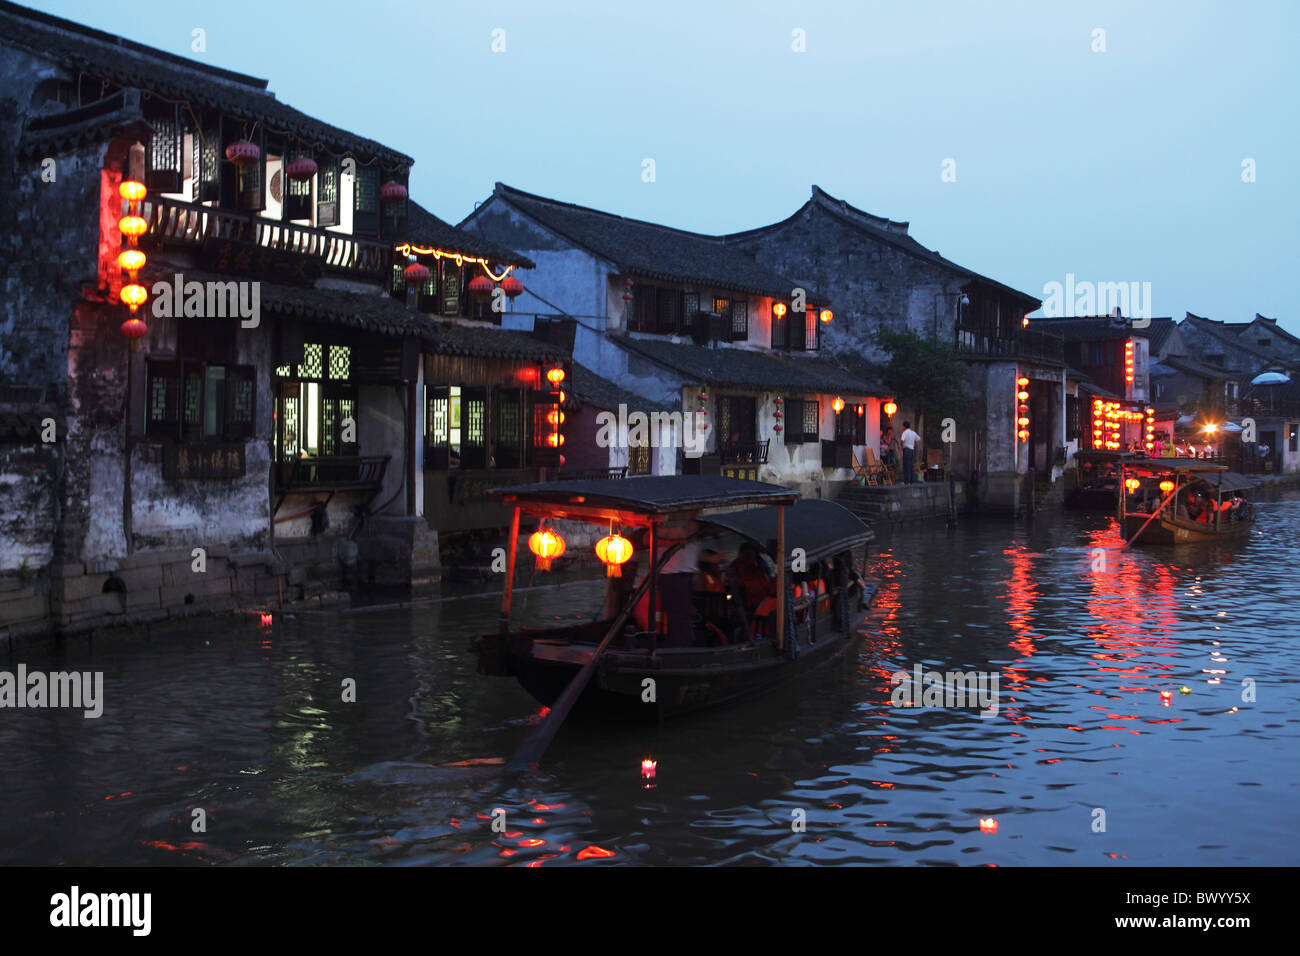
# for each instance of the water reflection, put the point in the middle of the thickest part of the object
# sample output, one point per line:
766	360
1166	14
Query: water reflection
253	726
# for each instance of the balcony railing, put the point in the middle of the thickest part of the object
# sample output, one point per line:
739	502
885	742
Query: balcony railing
185	223
1025	344
745	452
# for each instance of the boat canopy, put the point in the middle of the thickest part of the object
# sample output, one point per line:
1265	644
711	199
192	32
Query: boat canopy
822	528
1101	455
645	497
1181	465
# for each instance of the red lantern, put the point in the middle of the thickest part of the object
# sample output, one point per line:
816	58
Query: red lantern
300	169
613	550
511	286
628	283
480	286
416	274
891	409
391	192
555	376
134	328
133	296
547	545
131	191
627	296
777	427
243	153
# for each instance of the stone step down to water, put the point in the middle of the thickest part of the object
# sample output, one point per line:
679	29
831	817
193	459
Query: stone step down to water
875	504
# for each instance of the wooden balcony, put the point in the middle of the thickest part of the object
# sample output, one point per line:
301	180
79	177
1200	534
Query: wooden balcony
173	222
1027	344
745	452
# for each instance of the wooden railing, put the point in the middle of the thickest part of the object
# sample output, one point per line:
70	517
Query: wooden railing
745	452
174	221
335	473
1026	344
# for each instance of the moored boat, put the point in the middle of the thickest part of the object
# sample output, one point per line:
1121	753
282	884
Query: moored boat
791	600
1182	500
1095	481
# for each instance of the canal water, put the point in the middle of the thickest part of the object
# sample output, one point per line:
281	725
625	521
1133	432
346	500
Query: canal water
1085	762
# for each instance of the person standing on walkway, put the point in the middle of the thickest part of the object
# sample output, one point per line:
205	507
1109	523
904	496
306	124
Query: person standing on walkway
909	439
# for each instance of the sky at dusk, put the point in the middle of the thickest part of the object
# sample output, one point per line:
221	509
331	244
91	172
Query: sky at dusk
1117	166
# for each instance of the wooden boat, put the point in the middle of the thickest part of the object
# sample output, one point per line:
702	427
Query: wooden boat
1096	481
819	598
1182	500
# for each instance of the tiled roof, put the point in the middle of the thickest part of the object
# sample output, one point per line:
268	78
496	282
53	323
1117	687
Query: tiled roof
652	251
746	368
1225	333
423	228
882	229
1189	366
1157	333
379	313
1091	328
129	64
600	392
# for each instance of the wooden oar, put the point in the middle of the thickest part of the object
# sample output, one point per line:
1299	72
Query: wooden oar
1153	517
530	753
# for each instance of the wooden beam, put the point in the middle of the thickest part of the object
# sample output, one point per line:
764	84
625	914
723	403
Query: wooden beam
780	577
512	548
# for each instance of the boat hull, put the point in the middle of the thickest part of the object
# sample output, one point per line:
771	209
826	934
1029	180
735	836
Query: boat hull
1163	530
640	685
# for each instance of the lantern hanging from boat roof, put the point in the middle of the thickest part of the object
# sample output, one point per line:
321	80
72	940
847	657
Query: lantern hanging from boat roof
547	545
614	550
480	286
1132	484
511	286
1166	486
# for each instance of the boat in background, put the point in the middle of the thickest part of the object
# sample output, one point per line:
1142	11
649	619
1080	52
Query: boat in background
1096	481
735	647
1182	500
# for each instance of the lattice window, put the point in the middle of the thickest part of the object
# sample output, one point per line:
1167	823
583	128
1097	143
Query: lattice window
240	394
690	305
474	422
638	460
165	147
192	403
739	320
668	319
290	424
340	362
347	411
811	420
366	195
310	366
399	281
283	371
327	194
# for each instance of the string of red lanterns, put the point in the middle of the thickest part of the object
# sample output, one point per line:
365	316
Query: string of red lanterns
131	260
1022	408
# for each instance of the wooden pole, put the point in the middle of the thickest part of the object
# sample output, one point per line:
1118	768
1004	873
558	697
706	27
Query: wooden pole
652	612
512	546
780	577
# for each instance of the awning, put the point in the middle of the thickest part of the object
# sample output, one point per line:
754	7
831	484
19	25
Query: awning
821	528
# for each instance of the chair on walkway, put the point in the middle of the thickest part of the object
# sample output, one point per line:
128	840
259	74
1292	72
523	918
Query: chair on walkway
869	471
884	473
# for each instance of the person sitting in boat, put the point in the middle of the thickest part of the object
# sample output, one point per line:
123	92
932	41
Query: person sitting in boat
755	587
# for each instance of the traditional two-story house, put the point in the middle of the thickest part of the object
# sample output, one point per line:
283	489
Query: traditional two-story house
724	354
253	359
883	279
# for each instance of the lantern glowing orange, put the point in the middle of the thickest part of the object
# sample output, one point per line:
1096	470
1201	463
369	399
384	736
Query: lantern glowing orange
1022	382
1132	484
133	295
1023	396
649	768
826	316
891	408
131	191
555	376
838	404
613	550
555	439
1166	486
779	310
547	545
555	418
1023	434
130	260
133	226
